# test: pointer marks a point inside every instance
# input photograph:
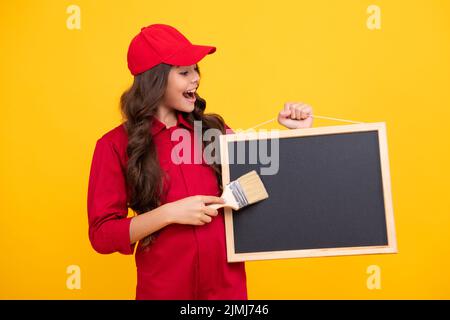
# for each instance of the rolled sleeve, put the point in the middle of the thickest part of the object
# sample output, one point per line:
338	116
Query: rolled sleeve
109	227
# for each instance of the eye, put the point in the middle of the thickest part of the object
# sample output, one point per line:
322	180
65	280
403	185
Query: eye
184	73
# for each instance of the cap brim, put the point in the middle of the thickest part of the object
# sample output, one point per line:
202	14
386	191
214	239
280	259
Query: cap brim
189	55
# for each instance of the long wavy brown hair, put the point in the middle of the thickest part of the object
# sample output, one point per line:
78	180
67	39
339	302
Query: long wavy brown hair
138	106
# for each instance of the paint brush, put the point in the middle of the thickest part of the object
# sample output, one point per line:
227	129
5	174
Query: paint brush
246	190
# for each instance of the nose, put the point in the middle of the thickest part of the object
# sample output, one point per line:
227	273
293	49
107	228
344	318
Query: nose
196	78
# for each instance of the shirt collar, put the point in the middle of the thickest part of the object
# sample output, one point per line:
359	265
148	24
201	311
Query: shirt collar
158	126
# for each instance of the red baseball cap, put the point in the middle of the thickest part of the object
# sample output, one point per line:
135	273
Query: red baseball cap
160	43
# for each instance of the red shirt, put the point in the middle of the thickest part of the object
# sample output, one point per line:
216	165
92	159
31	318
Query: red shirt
184	261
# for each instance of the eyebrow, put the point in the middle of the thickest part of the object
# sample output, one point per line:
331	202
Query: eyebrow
196	67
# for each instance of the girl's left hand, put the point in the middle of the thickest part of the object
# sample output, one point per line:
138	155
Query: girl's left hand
296	115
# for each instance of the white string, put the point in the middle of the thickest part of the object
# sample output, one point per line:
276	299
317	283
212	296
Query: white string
336	119
314	116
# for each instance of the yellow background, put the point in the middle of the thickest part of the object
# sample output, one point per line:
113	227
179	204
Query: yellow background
60	91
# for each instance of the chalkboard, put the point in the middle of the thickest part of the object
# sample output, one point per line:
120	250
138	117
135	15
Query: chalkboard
329	193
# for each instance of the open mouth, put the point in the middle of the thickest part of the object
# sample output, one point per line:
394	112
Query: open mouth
189	95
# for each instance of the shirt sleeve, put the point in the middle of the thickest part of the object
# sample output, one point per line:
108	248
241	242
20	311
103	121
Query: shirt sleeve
109	227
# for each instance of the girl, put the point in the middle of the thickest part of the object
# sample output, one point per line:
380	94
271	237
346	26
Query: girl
181	252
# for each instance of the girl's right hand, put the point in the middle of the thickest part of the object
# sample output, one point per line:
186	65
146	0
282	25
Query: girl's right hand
192	210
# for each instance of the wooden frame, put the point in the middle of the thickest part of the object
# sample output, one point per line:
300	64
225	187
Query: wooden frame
386	180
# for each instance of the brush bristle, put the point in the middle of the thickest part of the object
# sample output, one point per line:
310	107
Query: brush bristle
253	187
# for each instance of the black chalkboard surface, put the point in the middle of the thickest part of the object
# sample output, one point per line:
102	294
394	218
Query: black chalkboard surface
329	193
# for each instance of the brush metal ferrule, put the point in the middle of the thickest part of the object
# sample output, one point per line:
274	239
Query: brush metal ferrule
238	193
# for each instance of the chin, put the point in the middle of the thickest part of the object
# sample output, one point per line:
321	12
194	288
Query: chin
186	109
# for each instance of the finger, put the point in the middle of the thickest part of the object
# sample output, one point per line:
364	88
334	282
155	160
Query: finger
305	111
284	117
210	211
284	113
212	199
293	115
205	218
287	106
291	105
298	113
